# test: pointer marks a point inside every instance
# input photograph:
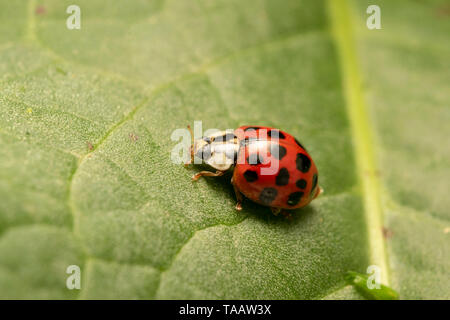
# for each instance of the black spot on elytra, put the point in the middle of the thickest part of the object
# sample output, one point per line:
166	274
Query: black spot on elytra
314	183
282	178
277	134
232	155
277	151
303	162
298	142
267	195
255	159
301	183
294	198
250	175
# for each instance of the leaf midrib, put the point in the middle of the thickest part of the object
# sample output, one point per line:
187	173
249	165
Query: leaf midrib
341	29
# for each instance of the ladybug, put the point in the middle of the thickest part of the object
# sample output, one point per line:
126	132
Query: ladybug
270	166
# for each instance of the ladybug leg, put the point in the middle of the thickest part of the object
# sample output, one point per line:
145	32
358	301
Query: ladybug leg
275	211
318	192
287	215
191	148
284	213
191	159
238	197
197	176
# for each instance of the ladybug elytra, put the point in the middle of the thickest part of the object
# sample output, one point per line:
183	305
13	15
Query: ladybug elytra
270	166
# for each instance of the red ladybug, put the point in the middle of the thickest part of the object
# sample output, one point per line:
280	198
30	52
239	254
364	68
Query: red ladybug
270	166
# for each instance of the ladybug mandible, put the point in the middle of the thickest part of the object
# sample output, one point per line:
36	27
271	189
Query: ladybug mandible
270	166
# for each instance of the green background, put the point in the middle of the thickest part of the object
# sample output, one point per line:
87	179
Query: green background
85	123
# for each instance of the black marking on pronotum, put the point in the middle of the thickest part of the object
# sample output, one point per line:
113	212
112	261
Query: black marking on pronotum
204	153
314	183
301	183
225	137
207	139
250	175
255	159
233	155
303	162
298	142
277	151
294	198
282	178
276	134
267	195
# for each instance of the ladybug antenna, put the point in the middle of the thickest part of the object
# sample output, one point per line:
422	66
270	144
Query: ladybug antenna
191	132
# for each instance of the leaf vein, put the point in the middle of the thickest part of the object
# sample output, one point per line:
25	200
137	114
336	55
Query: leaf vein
340	18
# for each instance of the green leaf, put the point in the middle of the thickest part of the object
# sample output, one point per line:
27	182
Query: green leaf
86	118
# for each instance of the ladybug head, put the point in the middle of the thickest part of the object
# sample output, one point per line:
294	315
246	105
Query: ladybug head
218	150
